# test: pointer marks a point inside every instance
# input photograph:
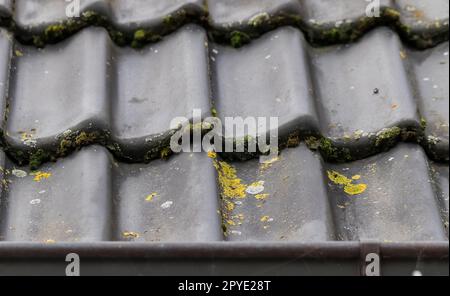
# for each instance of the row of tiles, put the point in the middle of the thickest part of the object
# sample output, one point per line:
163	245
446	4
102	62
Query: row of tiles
361	98
395	196
325	21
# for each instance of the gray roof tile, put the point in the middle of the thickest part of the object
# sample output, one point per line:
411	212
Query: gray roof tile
399	203
293	206
278	59
66	201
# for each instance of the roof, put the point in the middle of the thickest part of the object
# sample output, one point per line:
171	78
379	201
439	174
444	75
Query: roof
363	108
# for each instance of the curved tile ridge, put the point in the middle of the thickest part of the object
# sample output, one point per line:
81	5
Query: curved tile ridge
397	196
348	102
138	22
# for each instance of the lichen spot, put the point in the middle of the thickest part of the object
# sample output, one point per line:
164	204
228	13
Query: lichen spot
130	234
349	187
356	177
338	179
150	197
40	176
268	163
355	189
262	196
265	219
212	154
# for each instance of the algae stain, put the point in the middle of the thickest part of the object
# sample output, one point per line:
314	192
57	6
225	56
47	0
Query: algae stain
349	187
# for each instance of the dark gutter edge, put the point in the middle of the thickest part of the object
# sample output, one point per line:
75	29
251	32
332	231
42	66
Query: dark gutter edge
246	250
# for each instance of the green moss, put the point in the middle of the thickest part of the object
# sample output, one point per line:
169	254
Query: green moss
312	143
118	37
76	140
387	136
391	13
55	31
140	35
327	148
224	228
38	41
168	20
37	158
238	39
259	19
165	153
423	123
293	141
84	139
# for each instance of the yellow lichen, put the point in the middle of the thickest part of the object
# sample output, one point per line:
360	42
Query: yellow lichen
338	179
264	218
262	196
150	197
257	184
349	187
267	164
232	186
130	234
212	154
356	177
354	189
231	222
39	176
229	205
